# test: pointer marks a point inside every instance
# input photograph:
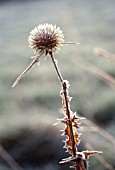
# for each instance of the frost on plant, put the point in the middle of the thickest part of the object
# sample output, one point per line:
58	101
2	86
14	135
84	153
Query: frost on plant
45	40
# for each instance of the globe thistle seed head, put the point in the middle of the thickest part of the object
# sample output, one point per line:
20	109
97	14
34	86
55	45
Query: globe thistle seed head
45	37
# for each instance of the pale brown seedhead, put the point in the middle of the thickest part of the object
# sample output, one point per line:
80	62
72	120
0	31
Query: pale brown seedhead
45	37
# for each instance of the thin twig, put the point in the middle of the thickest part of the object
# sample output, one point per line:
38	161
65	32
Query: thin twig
101	159
93	69
70	43
56	67
36	60
101	131
9	159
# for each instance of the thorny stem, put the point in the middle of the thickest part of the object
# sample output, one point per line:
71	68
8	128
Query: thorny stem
70	123
66	102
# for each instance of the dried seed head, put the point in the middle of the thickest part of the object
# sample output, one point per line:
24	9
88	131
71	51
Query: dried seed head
45	37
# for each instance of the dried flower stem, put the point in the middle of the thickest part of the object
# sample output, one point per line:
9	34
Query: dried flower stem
57	69
45	39
70	123
64	87
70	119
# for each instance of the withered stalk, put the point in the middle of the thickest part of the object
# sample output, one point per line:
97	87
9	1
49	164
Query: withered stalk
64	87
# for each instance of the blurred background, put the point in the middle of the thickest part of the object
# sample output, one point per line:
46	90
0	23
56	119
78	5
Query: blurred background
28	139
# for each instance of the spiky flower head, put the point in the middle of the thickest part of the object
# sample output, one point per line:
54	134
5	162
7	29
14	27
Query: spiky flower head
45	38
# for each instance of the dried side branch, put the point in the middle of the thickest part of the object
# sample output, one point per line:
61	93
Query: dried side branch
101	159
36	60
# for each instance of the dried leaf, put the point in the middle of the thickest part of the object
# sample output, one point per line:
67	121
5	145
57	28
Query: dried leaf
90	153
76	138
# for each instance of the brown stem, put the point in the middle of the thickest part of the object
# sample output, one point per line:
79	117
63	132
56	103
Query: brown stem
57	69
68	114
64	86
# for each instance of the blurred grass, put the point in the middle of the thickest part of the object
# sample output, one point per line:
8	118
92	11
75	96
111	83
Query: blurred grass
89	22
